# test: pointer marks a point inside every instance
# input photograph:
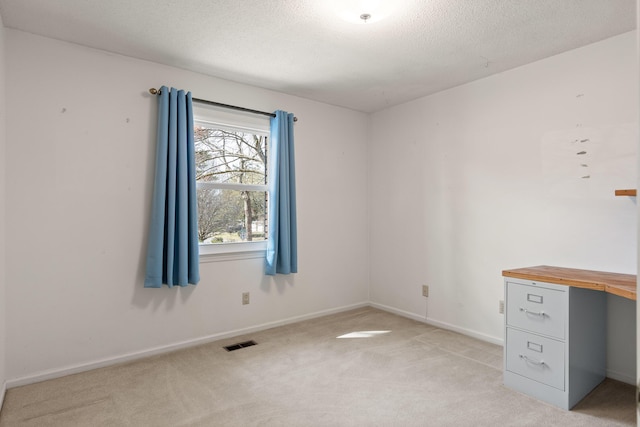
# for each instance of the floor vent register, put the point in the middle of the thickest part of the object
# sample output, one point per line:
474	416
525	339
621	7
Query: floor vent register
240	345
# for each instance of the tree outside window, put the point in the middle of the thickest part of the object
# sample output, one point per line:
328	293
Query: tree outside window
231	184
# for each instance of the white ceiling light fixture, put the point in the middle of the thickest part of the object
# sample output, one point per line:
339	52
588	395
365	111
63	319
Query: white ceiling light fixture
364	11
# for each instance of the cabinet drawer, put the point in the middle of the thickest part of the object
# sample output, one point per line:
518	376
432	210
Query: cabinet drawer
535	357
537	309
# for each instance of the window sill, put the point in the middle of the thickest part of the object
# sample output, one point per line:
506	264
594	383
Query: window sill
232	251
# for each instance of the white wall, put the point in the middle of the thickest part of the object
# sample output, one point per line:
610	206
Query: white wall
80	145
485	177
462	185
3	203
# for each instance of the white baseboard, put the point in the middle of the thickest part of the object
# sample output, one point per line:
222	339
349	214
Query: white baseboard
129	357
621	376
624	377
399	312
468	332
443	325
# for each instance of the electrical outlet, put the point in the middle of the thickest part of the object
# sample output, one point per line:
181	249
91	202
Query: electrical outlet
245	298
501	307
425	291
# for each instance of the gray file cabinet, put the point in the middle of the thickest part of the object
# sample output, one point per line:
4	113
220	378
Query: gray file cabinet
555	342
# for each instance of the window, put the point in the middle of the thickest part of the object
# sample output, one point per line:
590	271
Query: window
231	176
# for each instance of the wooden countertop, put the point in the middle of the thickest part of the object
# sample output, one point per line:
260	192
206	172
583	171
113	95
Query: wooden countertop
623	285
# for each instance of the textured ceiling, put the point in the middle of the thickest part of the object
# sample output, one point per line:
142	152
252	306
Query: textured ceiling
303	48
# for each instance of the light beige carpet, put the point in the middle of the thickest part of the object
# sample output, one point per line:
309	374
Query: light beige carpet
303	375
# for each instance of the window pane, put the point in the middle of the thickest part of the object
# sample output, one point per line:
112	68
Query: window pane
230	156
236	157
226	216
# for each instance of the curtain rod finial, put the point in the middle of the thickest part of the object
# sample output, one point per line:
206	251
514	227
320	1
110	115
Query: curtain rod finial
154	91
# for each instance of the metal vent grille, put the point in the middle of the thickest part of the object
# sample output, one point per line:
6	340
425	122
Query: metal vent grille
240	345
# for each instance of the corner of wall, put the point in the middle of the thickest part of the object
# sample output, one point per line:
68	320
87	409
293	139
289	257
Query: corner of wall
368	192
3	383
638	239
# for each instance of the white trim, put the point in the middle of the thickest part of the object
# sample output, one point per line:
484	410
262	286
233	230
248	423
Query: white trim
128	357
443	325
242	122
210	252
3	392
232	186
233	121
399	312
232	256
620	376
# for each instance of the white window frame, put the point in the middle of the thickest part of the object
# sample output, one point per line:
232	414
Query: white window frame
212	116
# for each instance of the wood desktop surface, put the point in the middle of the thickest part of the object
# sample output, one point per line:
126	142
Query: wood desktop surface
623	285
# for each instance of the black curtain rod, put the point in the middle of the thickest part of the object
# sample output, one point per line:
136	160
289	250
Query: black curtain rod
154	91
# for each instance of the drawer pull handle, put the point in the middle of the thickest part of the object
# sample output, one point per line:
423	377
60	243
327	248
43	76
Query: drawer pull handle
533	313
534	362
